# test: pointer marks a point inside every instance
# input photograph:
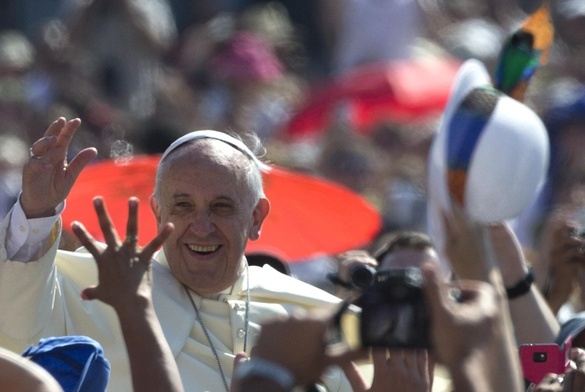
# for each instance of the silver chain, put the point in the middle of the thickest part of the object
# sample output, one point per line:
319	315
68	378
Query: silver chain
206	332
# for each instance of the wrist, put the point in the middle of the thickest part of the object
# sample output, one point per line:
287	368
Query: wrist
259	371
521	286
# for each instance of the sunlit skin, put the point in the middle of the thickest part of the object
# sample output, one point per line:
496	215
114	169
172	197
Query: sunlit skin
204	195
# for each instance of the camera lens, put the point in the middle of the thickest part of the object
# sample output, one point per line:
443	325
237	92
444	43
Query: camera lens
539	357
362	276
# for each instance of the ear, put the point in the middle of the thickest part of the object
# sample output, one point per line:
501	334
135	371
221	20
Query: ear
155	209
260	213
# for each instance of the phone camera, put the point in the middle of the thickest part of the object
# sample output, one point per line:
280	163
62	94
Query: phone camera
539	357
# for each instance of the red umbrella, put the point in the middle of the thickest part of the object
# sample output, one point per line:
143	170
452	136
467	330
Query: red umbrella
308	215
400	90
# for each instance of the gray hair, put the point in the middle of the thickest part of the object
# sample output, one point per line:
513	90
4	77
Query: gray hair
252	149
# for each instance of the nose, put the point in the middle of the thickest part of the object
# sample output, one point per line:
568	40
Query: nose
202	223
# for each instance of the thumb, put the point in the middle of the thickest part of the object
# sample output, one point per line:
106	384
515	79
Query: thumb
240	358
432	287
89	293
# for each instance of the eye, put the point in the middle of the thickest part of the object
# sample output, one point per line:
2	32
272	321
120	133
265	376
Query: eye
223	208
182	206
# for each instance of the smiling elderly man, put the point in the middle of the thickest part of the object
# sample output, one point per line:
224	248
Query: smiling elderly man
209	301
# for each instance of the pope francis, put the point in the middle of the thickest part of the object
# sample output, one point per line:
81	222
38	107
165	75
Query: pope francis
210	303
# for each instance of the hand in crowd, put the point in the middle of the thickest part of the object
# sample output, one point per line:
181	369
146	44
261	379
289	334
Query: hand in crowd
348	262
394	370
561	257
123	267
467	335
279	343
492	253
124	271
470	334
465	246
459	327
402	370
571	381
47	176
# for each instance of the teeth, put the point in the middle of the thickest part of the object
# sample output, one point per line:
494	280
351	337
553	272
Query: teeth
203	249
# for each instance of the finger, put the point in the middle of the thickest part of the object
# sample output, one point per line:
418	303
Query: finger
55	128
89	294
132	224
106	225
157	242
380	361
578	355
409	358
422	361
86	239
433	289
238	360
67	131
41	146
355	378
341	358
75	167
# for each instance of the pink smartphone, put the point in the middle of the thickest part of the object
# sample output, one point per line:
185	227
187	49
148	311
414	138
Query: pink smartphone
538	360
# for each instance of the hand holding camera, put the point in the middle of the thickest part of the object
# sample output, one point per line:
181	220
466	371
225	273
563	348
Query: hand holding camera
562	256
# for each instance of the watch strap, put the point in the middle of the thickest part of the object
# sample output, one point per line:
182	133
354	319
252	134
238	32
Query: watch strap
522	287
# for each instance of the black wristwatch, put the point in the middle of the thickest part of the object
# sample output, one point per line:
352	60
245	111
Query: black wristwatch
522	287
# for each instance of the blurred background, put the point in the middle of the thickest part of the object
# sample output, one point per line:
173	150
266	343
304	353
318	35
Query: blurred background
347	90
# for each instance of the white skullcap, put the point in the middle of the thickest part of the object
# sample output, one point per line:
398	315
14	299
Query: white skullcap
221	136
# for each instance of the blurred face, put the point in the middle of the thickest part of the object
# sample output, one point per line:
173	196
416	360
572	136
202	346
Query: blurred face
203	192
408	257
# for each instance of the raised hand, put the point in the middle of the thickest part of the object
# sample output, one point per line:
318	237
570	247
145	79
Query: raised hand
472	335
561	257
47	176
123	267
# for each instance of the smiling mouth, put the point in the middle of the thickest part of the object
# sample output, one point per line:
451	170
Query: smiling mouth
203	250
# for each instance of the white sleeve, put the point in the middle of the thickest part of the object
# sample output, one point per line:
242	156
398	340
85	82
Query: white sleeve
29	239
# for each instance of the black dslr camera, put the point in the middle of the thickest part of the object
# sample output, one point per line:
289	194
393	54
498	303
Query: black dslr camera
390	313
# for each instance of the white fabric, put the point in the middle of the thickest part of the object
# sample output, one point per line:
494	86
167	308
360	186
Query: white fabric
28	239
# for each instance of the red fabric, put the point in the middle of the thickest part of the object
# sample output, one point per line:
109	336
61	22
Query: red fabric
308	215
400	91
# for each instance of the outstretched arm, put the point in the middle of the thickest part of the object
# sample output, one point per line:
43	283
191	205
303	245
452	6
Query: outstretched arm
125	283
493	254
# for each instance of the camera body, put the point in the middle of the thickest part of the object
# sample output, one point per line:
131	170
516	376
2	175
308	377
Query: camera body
537	360
393	311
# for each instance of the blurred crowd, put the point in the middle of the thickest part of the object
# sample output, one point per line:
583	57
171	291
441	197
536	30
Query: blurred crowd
141	73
